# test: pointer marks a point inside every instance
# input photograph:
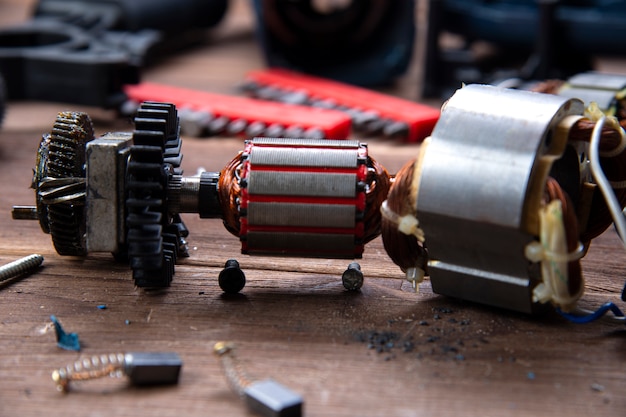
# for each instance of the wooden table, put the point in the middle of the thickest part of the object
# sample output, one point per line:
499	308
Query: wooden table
383	351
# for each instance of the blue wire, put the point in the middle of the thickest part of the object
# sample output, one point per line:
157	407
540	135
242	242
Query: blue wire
593	316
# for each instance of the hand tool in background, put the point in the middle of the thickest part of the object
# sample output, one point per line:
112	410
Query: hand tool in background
606	90
83	52
124	193
524	39
203	113
363	42
372	113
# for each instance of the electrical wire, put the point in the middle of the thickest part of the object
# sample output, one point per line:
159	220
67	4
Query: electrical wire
602	181
589	316
583	316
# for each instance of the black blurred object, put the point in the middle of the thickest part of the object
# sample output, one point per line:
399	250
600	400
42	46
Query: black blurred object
3	95
529	40
363	42
83	52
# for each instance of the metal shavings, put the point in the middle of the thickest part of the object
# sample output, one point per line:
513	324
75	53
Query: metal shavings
597	387
447	339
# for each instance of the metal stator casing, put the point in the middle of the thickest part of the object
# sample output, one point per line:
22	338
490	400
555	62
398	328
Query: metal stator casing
482	176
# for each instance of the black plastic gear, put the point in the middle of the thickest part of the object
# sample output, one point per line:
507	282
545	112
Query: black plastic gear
61	200
154	237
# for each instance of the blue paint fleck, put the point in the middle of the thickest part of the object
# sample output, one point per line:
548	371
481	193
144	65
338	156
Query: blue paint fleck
530	375
67	341
102	307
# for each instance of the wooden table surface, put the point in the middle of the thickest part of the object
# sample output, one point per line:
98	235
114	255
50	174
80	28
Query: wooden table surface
383	351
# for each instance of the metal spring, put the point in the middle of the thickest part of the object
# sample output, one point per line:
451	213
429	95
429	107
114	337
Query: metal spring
236	376
89	368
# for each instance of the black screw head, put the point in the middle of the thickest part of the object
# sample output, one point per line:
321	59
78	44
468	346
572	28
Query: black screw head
231	278
352	277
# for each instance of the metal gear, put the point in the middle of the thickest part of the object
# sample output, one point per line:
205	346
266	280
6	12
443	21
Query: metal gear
155	238
59	182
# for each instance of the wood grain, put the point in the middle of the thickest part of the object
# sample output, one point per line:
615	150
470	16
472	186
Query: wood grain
384	351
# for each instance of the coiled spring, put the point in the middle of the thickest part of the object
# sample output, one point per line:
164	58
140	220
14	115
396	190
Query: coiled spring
89	368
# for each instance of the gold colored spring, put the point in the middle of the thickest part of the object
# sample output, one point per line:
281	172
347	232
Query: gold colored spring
236	376
97	366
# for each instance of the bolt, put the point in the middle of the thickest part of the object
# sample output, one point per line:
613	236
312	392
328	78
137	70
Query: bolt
274	131
25	213
236	126
19	267
231	278
255	129
352	277
218	125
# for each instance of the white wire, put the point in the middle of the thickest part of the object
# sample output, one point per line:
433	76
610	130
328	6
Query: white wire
603	183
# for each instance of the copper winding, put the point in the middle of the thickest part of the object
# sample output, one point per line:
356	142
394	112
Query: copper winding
378	183
229	192
614	168
553	191
405	250
548	86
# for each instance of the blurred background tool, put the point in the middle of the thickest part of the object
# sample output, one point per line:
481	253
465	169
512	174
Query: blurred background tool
372	113
365	42
83	52
202	113
478	41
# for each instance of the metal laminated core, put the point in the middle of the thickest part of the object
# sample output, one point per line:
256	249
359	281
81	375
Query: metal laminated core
303	197
313	184
597	87
480	189
330	158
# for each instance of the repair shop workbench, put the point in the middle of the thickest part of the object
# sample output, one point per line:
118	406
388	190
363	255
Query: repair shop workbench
381	351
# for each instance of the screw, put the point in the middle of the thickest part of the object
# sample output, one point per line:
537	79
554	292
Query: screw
19	267
231	278
352	277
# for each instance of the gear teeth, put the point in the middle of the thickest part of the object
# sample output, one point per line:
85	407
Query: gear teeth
155	278
154	239
181	233
144	246
62	155
65	223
